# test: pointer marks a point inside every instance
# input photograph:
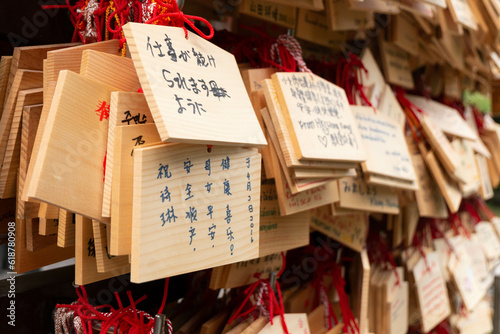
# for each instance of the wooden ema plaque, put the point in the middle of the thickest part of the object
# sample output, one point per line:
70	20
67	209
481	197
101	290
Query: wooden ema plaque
318	114
385	145
431	292
126	139
349	230
193	209
73	147
193	88
11	159
126	109
279	233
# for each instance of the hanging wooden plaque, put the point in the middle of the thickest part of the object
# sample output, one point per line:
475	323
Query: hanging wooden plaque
193	88
319	116
193	209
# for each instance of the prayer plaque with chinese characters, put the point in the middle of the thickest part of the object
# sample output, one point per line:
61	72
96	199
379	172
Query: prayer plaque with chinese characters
193	88
193	209
318	113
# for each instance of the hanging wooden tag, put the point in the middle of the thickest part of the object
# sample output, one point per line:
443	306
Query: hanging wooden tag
126	109
27	260
193	204
295	322
295	184
396	65
252	78
115	71
478	145
462	13
477	257
357	194
70	58
118	265
126	139
389	106
85	254
478	320
466	169
48	93
379	6
73	147
304	200
405	33
35	241
243	273
5	63
489	240
30	120
277	233
193	88
66	229
341	17
284	136
24	79
452	83
486	189
447	187
467	283
313	26
307	4
11	159
373	81
385	144
445	118
281	14
431	292
349	230
318	114
440	145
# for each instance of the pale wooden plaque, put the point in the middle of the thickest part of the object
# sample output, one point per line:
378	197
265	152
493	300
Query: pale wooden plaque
319	116
193	88
349	230
126	139
193	209
387	152
126	109
445	118
396	65
73	147
357	194
431	292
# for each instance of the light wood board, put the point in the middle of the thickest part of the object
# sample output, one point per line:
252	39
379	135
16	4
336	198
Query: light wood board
126	139
70	58
24	79
317	113
11	158
34	240
171	231
220	113
61	168
5	63
85	260
115	71
126	109
48	94
279	233
66	229
106	263
30	120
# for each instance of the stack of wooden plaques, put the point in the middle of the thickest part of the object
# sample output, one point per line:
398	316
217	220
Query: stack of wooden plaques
314	137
